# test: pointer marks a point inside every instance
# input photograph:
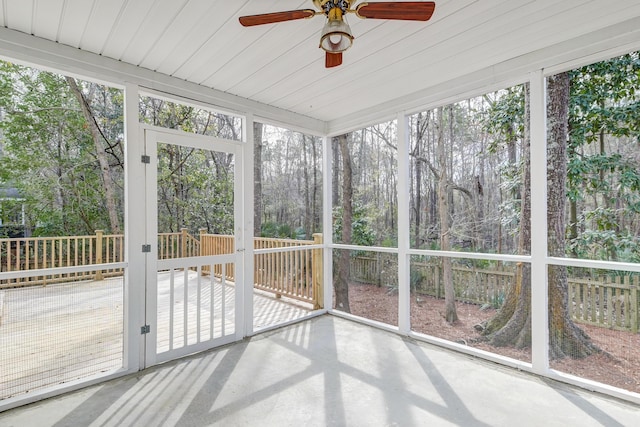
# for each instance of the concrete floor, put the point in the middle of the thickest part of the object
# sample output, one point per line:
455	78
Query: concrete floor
327	372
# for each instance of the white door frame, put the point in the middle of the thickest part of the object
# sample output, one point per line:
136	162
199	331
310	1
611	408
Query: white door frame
153	136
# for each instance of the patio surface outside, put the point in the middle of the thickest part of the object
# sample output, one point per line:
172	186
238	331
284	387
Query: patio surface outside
58	333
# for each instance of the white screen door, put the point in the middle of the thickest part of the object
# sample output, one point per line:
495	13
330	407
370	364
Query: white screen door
193	265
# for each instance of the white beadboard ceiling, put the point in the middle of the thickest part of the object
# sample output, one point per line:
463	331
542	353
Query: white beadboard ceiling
391	66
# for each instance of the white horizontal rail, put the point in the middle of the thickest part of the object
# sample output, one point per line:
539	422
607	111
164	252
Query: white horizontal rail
286	249
604	265
195	261
21	274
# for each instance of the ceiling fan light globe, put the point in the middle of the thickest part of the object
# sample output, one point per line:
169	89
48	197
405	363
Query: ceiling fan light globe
336	36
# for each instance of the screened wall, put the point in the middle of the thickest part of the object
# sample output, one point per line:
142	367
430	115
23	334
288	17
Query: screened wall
509	241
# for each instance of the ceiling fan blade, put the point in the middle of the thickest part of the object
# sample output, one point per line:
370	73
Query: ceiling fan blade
271	18
332	59
404	10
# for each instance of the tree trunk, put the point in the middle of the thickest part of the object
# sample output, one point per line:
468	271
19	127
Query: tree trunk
257	178
451	314
308	210
512	323
314	198
417	209
335	190
105	169
566	339
341	282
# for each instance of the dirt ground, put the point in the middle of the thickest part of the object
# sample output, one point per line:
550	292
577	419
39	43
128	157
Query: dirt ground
617	365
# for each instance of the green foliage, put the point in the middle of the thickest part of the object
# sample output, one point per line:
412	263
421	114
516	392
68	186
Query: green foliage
195	190
416	278
281	231
505	116
603	171
49	154
362	232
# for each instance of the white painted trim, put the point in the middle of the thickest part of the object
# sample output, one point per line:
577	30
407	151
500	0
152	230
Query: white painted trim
291	126
604	265
364	248
38	395
365	321
20	274
286	249
309	316
181	352
169	97
404	235
327	223
180	263
134	233
153	136
472	351
196	140
594	386
45	54
472	255
246	226
151	259
435	253
539	277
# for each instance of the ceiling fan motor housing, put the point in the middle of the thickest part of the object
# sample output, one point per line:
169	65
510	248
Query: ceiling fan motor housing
330	5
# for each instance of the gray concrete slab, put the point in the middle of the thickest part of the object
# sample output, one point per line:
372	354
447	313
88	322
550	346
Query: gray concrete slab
327	371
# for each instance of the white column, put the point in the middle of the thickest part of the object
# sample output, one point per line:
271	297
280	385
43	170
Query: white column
134	233
539	286
327	224
246	227
404	265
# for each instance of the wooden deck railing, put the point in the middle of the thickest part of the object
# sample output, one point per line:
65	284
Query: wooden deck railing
606	301
296	273
50	252
177	245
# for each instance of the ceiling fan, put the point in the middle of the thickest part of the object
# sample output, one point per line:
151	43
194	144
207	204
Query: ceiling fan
336	36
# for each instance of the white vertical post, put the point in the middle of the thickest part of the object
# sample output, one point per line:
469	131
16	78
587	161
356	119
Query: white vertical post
327	223
244	225
404	265
134	233
539	286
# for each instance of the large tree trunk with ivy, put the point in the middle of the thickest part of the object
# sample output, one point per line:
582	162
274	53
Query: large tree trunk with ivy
450	314
512	324
341	279
105	169
566	339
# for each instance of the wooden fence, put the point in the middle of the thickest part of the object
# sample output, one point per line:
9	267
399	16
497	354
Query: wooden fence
295	273
606	301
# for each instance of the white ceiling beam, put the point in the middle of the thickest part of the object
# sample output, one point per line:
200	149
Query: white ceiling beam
20	47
